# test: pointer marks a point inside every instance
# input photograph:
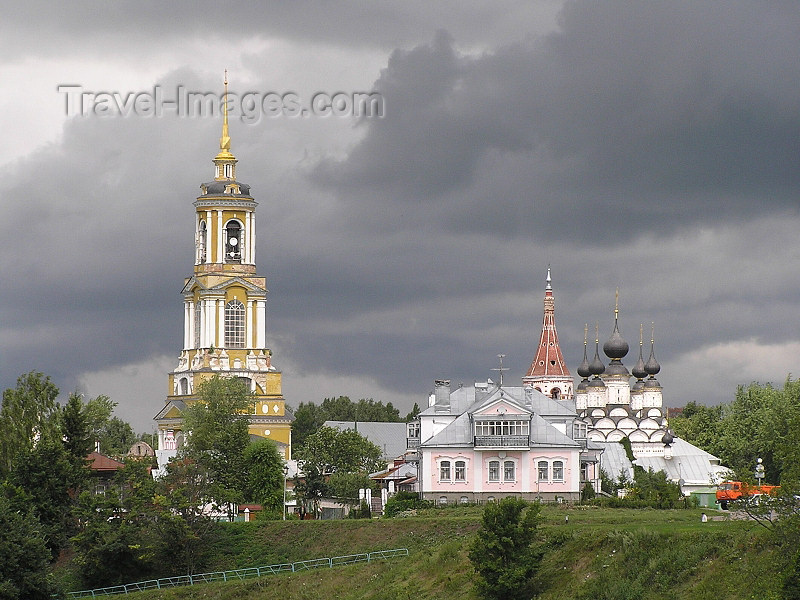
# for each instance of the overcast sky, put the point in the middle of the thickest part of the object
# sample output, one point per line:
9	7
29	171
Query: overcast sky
650	147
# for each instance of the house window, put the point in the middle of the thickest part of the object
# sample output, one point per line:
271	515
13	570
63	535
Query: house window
579	430
464	500
558	470
490	499
234	324
442	500
461	470
501	427
233	242
543	467
508	470
413	429
444	470
584	471
494	470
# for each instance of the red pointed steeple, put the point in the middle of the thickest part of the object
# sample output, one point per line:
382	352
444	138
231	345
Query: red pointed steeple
548	372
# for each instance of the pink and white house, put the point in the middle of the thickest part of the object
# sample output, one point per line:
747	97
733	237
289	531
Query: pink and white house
476	444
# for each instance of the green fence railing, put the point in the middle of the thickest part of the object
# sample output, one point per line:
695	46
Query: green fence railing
238	574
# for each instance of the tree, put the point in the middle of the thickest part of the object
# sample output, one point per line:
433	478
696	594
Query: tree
346	486
759	423
26	413
309	417
116	543
330	450
503	554
217	428
265	480
45	474
24	558
115	435
412	416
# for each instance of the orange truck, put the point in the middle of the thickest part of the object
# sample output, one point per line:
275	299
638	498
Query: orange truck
729	491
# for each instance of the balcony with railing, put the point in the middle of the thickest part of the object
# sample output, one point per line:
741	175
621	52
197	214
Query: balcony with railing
412	442
502	441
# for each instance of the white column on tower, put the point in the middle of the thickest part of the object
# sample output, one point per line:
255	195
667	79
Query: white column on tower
190	326
261	322
253	238
246	249
187	343
221	322
220	249
248	319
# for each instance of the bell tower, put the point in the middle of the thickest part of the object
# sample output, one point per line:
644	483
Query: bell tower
548	372
224	308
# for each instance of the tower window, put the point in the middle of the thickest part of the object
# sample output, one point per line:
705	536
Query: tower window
233	242
228	170
234	324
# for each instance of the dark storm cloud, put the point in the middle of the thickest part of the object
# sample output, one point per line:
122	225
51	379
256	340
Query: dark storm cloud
110	28
640	115
651	147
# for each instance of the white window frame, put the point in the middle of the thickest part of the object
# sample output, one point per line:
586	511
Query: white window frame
235	324
495	479
553	468
546	464
445	475
460	464
513	467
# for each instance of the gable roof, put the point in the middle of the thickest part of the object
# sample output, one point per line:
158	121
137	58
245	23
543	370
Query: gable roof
101	463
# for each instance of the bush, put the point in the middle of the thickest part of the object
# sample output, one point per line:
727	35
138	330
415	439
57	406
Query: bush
503	554
403	501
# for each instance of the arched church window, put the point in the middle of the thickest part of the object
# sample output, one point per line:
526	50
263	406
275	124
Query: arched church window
233	242
184	386
234	324
555	393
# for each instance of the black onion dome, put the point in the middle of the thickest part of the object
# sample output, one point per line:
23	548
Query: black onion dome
637	386
582	385
617	368
616	346
595	383
652	384
638	370
583	369
596	367
668	438
652	367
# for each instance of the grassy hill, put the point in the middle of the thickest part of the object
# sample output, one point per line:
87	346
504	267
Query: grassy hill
613	554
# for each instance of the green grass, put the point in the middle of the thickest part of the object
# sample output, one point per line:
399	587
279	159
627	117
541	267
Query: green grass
599	554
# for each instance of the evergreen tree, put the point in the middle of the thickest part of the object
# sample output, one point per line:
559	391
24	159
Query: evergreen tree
265	481
24	558
503	554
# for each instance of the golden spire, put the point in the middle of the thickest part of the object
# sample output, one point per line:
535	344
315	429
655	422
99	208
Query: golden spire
225	140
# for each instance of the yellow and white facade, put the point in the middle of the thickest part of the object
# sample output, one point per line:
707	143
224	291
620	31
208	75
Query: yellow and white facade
224	311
